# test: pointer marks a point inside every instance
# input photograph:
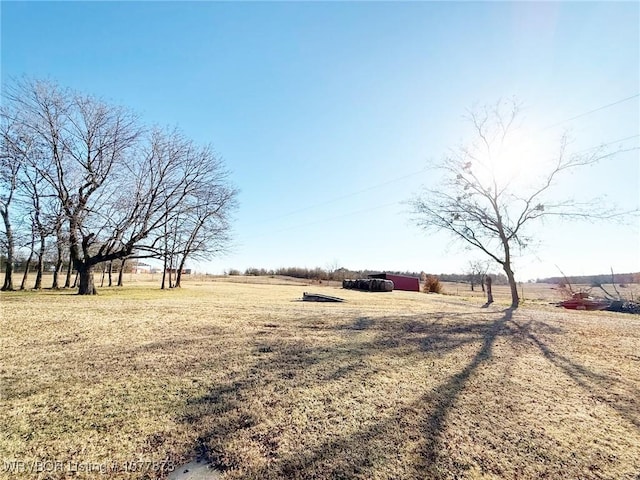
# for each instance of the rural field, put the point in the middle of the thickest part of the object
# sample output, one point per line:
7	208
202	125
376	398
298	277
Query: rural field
136	381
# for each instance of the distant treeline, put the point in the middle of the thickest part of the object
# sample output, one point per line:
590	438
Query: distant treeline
340	274
618	278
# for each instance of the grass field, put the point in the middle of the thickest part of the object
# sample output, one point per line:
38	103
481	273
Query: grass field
397	385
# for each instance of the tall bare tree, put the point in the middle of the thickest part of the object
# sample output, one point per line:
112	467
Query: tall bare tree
38	203
12	148
27	263
61	243
477	203
205	227
117	184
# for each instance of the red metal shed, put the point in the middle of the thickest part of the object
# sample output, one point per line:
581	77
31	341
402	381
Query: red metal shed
400	282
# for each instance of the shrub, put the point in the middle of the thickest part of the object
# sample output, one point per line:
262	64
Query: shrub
432	284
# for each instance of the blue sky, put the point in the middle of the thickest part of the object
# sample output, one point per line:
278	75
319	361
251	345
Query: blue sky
328	114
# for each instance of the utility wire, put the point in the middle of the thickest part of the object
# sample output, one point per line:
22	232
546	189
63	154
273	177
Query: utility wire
325	220
348	195
397	179
592	111
315	222
607	144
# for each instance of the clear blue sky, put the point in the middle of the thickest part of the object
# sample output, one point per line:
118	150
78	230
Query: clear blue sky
327	113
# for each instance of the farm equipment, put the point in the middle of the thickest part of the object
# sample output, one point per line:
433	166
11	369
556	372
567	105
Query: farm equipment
583	301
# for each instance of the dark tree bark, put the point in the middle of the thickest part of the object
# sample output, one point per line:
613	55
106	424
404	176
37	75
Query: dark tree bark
165	267
488	282
55	284
121	272
179	274
104	271
27	264
11	160
86	285
67	281
40	268
57	230
8	273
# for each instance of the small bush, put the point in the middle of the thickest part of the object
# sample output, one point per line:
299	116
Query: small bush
432	284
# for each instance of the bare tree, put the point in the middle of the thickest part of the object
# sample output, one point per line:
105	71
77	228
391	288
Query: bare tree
11	161
27	263
477	203
61	242
121	271
36	202
67	280
205	230
477	270
118	186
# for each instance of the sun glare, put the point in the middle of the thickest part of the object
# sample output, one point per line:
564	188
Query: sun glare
519	159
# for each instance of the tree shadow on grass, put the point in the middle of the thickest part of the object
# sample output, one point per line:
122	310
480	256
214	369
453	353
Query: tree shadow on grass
598	385
225	409
445	396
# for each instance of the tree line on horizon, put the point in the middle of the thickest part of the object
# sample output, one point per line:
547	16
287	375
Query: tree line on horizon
339	274
473	276
594	280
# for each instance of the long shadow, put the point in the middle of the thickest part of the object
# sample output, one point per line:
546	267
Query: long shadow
596	384
224	406
445	395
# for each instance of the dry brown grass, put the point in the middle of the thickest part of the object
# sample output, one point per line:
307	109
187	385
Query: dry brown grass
384	386
535	293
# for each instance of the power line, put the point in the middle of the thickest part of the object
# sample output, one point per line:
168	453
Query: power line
397	179
348	195
602	145
325	220
592	111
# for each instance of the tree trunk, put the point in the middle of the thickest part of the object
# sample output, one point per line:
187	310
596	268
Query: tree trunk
56	271
59	253
179	271
110	273
488	281
104	270
8	272
164	273
86	287
27	265
482	283
38	284
121	272
67	282
513	286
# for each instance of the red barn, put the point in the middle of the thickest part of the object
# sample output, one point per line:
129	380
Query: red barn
400	282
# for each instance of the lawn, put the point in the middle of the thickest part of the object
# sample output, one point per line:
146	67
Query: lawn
135	381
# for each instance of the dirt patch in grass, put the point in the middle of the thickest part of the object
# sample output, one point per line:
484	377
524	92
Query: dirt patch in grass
397	385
